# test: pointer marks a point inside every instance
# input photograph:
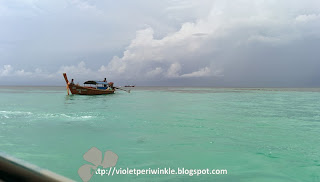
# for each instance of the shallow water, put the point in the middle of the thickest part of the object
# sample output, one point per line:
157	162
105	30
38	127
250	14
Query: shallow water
256	134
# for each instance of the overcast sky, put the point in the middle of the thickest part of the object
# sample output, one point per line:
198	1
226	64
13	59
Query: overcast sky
232	43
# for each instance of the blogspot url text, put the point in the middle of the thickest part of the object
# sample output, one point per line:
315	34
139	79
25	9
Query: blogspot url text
159	171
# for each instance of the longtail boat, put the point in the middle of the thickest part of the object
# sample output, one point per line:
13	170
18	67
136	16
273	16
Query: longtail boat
103	89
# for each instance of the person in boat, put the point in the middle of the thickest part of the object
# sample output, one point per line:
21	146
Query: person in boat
105	80
110	86
72	81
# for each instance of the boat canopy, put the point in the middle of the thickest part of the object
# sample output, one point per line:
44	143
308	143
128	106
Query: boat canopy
95	82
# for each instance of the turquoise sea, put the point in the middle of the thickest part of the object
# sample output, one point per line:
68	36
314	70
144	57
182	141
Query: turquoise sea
256	134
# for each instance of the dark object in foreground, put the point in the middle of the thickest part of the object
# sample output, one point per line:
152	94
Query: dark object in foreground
12	169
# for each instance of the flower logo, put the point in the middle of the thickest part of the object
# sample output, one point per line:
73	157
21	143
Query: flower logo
94	156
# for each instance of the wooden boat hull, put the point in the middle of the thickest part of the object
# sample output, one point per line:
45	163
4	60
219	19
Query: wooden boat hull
80	90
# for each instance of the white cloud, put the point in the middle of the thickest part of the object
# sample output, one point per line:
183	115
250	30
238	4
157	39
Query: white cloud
164	57
22	73
157	71
7	69
307	18
201	73
86	6
82	4
77	70
173	71
179	53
